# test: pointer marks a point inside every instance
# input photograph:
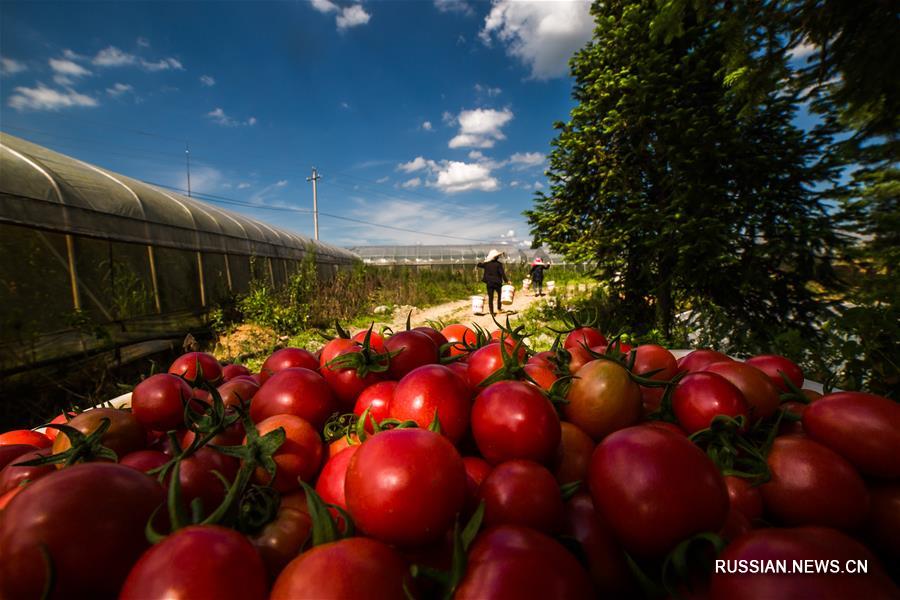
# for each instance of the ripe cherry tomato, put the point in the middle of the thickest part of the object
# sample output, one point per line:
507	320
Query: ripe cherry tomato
295	391
197	367
761	396
458	336
489	359
238	392
813	485
355	567
436	336
517	562
300	456
512	419
649	358
573	457
377	398
603	399
743	497
288	358
698	360
330	485
191	563
542	375
405	486
701	396
124	435
282	539
104	506
158	402
863	428
231	371
476	470
430	390
11	452
604	557
414	348
655	488
346	382
14	475
772	364
522	492
584	336
25	437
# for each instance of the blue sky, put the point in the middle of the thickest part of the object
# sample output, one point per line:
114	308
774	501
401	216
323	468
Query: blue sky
432	116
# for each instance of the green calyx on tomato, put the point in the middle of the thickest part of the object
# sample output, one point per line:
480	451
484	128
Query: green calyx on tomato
84	448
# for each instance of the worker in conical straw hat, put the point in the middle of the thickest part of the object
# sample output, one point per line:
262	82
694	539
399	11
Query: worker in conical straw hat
537	274
494	276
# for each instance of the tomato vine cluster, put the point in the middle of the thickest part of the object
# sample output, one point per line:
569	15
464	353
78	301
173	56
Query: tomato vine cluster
453	462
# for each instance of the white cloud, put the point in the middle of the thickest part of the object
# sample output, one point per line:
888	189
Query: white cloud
73	55
352	16
264	196
345	105
411	183
457	6
416	164
67	67
324	6
118	89
542	35
143	42
9	66
207	80
281	183
243	186
455	177
486	89
113	57
219	117
447	117
163	64
524	160
537	185
480	128
384	179
203	179
427	126
476	155
44	98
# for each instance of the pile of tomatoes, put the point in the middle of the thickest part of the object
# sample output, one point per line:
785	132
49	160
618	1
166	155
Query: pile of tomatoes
455	463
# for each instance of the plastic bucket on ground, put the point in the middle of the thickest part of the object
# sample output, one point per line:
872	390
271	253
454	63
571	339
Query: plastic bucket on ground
507	293
477	305
551	285
526	284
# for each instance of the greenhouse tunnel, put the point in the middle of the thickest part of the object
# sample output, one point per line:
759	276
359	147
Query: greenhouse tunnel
93	261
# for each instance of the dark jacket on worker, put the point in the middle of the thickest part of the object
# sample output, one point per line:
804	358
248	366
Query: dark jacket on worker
537	272
494	275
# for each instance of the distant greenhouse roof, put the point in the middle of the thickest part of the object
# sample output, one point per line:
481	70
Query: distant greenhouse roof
447	255
45	189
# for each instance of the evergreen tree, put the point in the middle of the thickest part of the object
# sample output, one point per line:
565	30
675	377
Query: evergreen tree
685	197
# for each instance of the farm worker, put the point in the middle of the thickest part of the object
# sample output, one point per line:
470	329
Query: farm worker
494	276
537	275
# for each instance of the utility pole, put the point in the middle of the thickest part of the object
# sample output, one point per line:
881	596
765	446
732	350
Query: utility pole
315	177
187	157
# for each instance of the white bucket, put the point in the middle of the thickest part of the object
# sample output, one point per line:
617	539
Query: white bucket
551	285
526	284
507	293
477	305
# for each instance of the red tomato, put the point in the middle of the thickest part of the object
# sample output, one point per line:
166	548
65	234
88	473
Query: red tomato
346	382
761	396
573	457
415	349
145	460
772	364
25	437
603	399
584	336
650	357
518	562
603	555
197	367
376	341
543	376
283	538
330	485
736	525
578	357
124	435
231	371
698	360
13	475
512	419
883	521
377	398
341	444
701	396
288	358
11	452
436	336
158	402
238	392
792	426
522	492
351	568
299	457
103	506
458	336
476	470
812	485
295	391
60	419
191	563
430	390
863	428
461	370
544	359
6	498
197	480
488	359
798	545
655	488
405	486
743	497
